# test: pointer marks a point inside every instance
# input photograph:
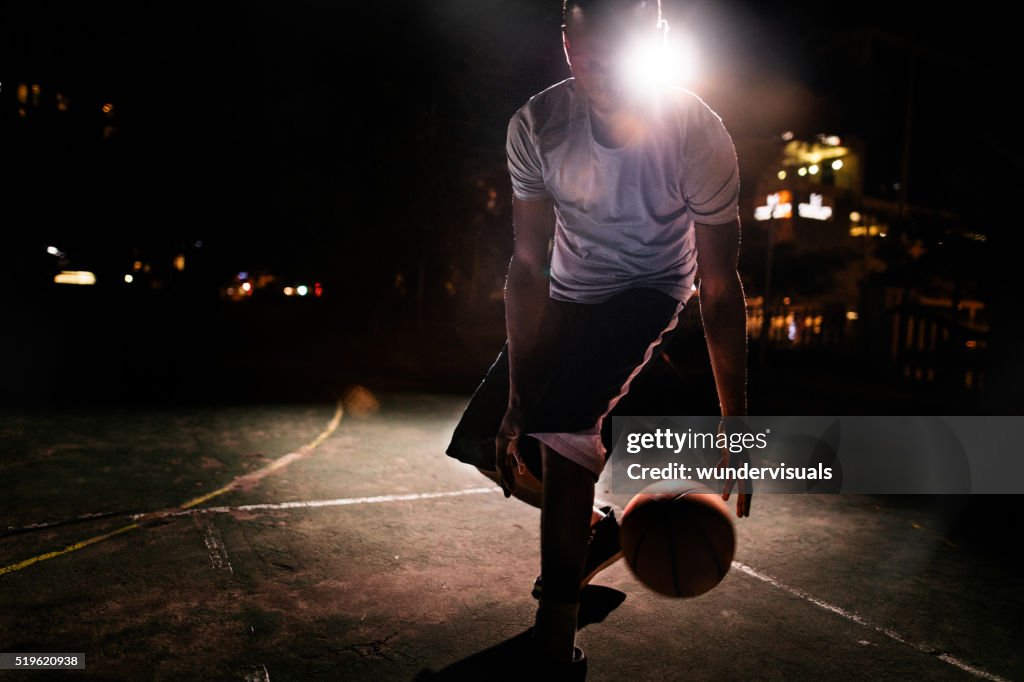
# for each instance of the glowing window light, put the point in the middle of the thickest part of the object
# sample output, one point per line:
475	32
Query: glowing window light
83	277
779	206
851	315
815	209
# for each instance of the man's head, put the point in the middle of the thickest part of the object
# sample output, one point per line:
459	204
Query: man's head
595	34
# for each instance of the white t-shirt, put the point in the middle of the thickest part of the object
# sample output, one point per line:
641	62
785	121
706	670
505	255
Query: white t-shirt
624	216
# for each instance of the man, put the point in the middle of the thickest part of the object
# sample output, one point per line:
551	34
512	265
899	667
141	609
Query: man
637	193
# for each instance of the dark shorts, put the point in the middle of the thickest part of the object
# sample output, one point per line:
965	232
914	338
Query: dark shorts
592	351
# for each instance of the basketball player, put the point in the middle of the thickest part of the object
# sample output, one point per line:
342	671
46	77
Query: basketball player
638	194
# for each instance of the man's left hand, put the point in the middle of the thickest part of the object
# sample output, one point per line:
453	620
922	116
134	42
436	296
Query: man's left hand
744	490
506	455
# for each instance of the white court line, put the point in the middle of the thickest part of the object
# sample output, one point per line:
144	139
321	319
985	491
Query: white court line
774	582
860	620
215	547
341	501
257	673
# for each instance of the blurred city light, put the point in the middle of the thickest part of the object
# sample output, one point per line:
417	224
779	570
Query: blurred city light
802	172
179	262
782	175
128	278
813	169
75	277
837	164
247	286
289	291
302	290
780	205
815	209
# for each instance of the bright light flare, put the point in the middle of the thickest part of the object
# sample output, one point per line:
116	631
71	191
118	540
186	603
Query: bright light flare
652	64
302	290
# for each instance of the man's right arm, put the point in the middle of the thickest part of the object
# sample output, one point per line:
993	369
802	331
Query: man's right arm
526	297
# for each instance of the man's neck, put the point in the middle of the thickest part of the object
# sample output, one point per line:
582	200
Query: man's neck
613	128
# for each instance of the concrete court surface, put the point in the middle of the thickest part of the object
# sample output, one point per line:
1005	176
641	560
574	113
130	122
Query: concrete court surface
410	562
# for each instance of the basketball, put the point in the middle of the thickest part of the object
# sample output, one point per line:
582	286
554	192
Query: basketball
677	538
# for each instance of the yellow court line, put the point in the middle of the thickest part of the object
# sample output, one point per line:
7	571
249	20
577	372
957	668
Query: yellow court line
254	476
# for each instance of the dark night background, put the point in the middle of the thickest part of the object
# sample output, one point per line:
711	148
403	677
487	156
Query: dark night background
210	161
362	146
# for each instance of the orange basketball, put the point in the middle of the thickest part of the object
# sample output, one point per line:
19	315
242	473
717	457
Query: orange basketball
677	538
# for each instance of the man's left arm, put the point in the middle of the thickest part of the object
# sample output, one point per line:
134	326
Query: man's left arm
723	311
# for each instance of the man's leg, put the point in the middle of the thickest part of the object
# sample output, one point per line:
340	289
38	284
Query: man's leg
529	488
566	515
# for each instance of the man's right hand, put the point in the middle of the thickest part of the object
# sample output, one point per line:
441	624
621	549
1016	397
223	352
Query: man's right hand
506	457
